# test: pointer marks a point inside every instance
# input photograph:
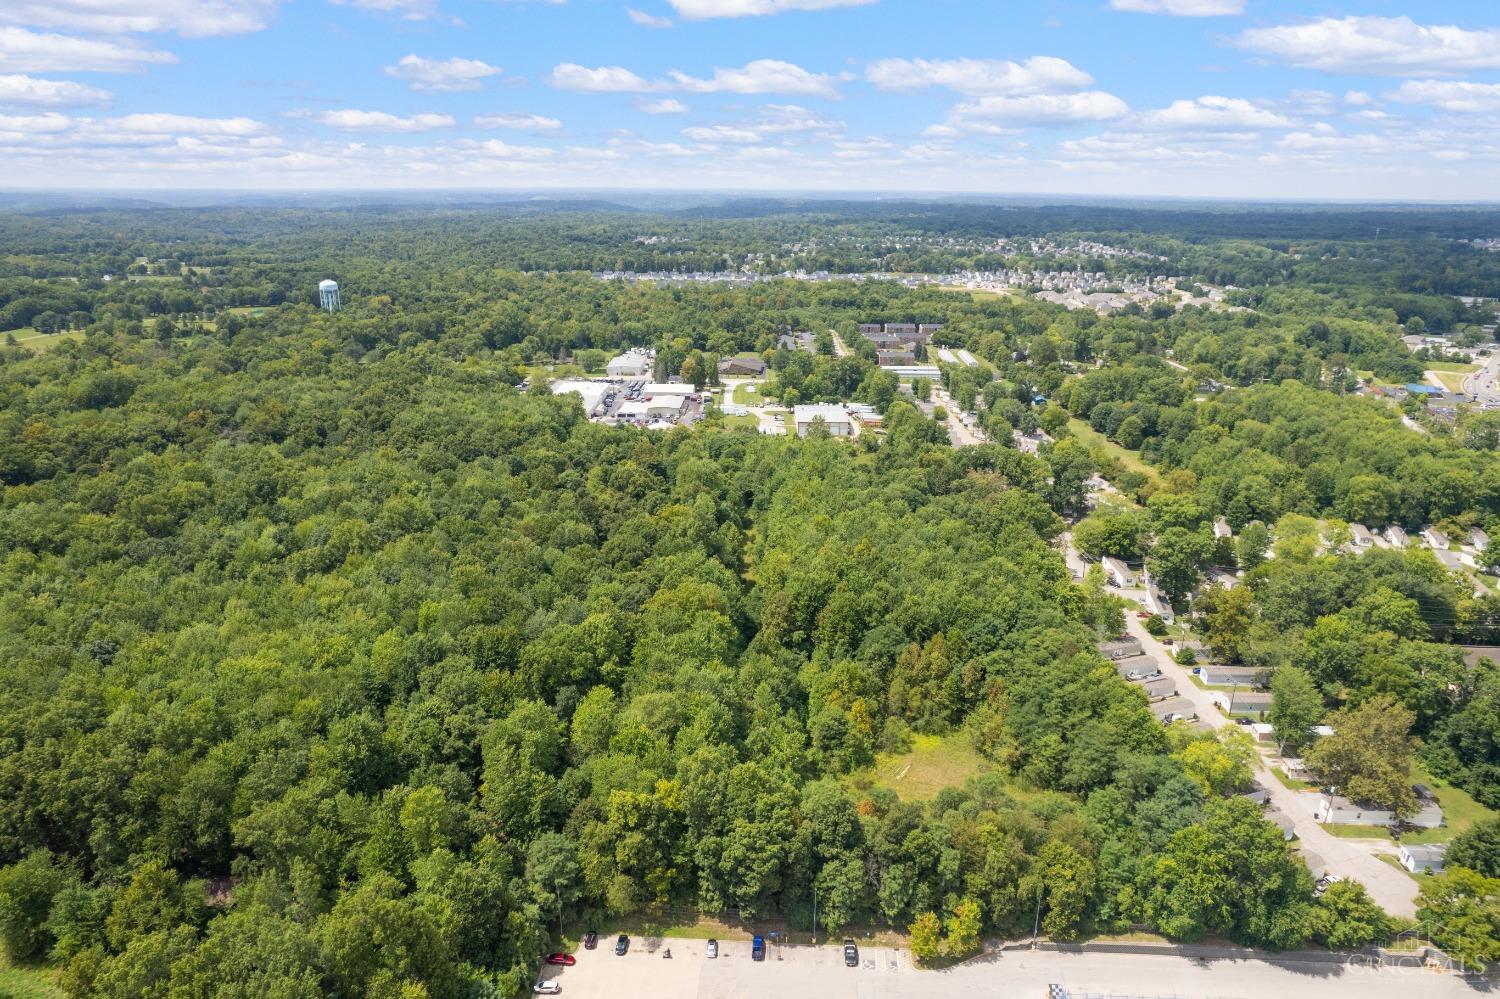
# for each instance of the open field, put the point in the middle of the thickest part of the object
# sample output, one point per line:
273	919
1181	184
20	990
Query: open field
935	762
40	342
739	422
1095	441
1456	367
748	394
1453	381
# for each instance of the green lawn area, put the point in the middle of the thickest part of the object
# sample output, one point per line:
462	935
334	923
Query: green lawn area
39	342
1460	810
1452	380
935	762
737	422
26	983
1351	831
1096	441
248	310
1393	862
1291	782
1460	367
747	394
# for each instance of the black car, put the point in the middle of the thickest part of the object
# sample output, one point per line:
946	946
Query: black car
758	948
590	940
622	944
851	954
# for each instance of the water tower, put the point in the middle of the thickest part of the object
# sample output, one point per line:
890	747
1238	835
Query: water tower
328	295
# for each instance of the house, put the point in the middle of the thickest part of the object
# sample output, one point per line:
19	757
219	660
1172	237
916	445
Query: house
1396	537
1435	539
1296	768
1361	535
1157	603
752	366
631	364
1222	529
1479	539
1141	664
1231	676
1281	821
1160	688
1421	858
1119	648
1338	809
835	418
1264	733
1118	572
889	358
1249	702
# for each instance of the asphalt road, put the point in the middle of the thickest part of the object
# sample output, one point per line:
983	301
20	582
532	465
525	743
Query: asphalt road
887	973
1484	384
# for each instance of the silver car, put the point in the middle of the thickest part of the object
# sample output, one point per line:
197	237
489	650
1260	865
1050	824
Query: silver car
713	949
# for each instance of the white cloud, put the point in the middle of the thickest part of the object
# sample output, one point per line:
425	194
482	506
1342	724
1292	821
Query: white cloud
1181	8
604	79
1358	98
441	75
1217	114
189	18
1037	109
33	92
667	105
762	76
1387	46
698	10
721	133
504	150
181	124
646	20
977	77
31	51
379	121
1450	95
33	124
516	119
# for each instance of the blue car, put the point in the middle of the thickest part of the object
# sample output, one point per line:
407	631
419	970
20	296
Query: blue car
758	948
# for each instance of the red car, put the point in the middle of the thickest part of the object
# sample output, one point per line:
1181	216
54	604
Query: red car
567	960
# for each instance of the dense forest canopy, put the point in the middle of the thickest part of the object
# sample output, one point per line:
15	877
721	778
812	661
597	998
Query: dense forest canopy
320	629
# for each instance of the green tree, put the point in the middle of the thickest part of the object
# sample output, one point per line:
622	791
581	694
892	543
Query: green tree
27	889
925	935
1478	848
1345	917
1460	911
963	928
1368	756
1296	706
1175	561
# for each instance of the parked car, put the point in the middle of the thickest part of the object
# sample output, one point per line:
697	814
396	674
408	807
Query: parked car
1242	721
590	940
546	989
1153	675
622	944
713	949
566	960
1134	675
851	954
758	948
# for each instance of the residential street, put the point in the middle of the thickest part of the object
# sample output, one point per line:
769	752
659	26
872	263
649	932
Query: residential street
1392	889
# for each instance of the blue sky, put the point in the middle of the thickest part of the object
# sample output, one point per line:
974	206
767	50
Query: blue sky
1218	98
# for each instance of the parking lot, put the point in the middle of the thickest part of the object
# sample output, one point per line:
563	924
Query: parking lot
887	973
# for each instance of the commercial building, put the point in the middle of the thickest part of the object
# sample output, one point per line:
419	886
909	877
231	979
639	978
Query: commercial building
895	358
835	418
635	363
751	366
592	393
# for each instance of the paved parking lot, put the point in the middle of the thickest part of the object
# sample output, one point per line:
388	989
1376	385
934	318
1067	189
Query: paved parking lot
885	973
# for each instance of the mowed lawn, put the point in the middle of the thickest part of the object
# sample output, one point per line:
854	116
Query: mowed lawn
26	983
935	762
1095	441
39	342
748	394
1460	810
1453	381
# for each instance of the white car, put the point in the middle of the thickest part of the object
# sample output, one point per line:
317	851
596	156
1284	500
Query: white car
546	989
713	949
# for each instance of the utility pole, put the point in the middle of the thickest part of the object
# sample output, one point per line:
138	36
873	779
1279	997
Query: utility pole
815	914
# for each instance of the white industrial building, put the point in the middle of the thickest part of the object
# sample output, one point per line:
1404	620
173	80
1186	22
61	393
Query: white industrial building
634	363
836	418
592	393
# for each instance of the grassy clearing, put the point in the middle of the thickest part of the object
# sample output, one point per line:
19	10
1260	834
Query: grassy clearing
1350	831
1451	380
738	422
40	342
934	762
1460	367
975	293
748	394
1291	783
27	982
1460	810
1095	441
248	310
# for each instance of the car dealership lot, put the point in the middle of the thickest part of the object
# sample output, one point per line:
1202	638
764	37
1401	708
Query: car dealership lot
887	973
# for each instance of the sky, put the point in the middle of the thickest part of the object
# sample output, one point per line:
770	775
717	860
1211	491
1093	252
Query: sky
1312	99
